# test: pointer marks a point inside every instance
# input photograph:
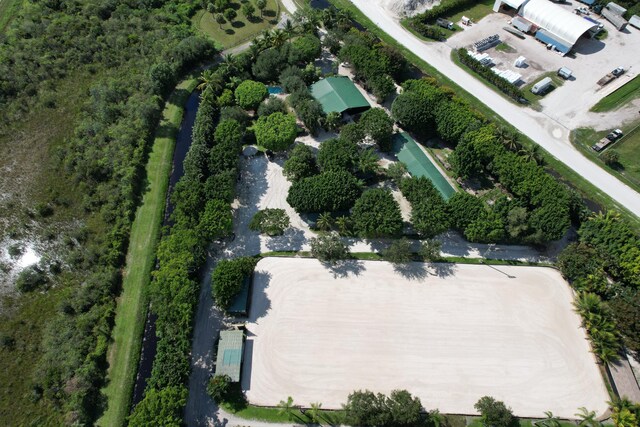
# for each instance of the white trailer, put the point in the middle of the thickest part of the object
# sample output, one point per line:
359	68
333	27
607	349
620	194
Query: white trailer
542	86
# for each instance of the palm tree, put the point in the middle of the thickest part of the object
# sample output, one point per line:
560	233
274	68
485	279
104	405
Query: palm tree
587	418
289	29
314	411
325	221
625	418
368	161
587	302
261	4
343	223
329	17
230	65
286	407
508	138
550	421
531	153
210	79
220	19
279	37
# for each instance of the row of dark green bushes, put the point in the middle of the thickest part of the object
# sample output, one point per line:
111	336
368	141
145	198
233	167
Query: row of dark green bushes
485	73
429	31
202	213
129	46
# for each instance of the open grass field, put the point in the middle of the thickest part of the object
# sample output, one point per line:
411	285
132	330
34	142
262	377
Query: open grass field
559	169
476	12
131	312
448	333
241	29
619	97
628	148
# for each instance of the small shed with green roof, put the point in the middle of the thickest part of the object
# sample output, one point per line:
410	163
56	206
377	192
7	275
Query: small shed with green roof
229	357
339	94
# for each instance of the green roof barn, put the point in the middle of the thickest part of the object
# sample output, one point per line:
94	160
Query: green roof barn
229	358
339	94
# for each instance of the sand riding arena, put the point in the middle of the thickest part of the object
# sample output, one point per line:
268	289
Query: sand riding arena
448	333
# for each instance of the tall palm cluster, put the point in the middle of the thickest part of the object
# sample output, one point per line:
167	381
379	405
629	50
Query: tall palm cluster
598	320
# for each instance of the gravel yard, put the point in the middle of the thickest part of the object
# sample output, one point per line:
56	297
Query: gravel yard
449	333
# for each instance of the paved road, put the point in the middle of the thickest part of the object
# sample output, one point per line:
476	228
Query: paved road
549	134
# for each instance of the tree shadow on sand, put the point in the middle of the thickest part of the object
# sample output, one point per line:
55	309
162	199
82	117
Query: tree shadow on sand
344	268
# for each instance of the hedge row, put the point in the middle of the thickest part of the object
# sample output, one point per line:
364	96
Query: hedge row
504	86
197	218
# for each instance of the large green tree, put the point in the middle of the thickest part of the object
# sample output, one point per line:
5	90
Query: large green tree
249	94
494	413
328	192
377	214
300	164
228	277
276	132
337	154
378	126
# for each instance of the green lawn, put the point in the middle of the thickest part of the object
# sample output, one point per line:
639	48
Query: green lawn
619	97
8	10
567	175
131	312
534	99
476	13
628	169
241	29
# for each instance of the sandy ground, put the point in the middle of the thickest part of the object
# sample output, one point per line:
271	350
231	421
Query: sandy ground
447	333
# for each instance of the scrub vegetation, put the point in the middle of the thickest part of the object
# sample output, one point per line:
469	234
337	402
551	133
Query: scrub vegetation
102	73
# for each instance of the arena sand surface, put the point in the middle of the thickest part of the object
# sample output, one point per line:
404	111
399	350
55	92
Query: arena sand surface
448	333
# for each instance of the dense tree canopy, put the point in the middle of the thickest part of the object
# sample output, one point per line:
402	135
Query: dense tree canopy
300	164
328	192
494	413
249	94
160	408
337	154
378	126
428	215
305	48
377	214
276	132
228	277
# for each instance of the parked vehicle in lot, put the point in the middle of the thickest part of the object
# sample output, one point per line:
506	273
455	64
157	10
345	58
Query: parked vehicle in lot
615	135
444	23
618	72
542	86
610	76
565	73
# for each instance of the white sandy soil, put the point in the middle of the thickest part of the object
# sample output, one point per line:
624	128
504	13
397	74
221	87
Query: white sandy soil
448	333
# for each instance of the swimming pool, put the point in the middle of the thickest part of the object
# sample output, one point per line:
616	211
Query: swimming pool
274	90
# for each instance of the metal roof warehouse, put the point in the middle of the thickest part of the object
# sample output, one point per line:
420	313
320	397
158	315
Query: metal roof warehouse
339	94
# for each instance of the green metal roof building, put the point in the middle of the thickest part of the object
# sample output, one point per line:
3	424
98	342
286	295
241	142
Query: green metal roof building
229	358
339	94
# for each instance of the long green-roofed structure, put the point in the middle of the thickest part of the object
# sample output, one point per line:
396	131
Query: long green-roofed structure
339	94
229	358
418	164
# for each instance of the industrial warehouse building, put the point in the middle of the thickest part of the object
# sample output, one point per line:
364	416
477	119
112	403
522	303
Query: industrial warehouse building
553	24
339	94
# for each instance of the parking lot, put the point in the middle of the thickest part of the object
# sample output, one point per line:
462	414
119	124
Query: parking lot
590	60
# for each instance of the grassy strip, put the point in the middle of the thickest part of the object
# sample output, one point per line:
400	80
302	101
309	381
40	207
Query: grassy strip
275	415
619	97
132	305
567	175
